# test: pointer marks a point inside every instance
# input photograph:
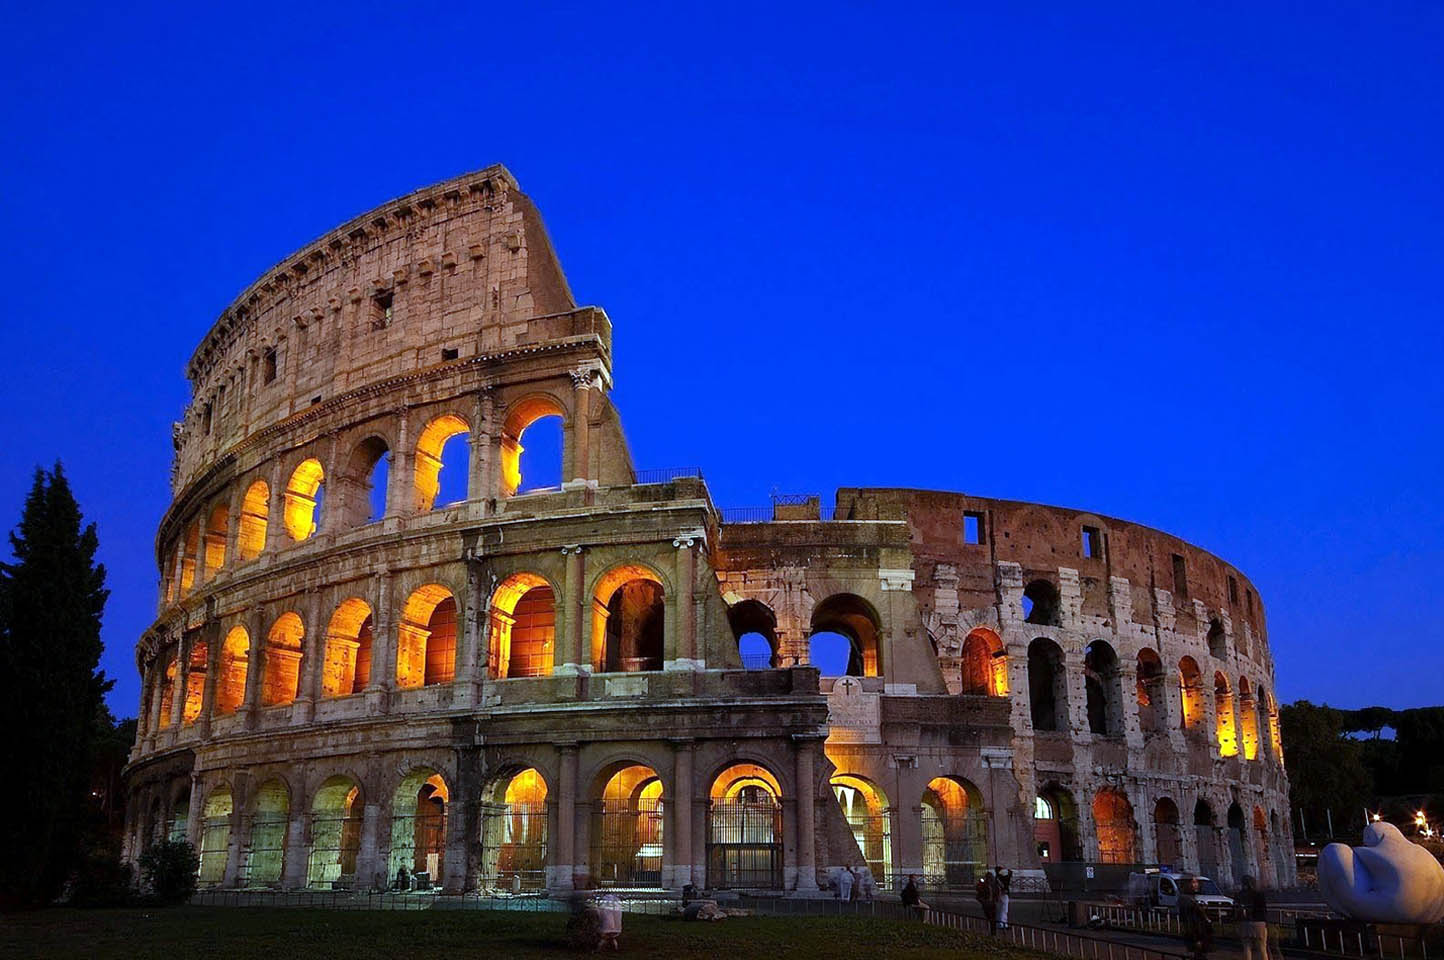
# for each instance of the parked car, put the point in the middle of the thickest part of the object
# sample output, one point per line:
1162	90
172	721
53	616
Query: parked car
1154	888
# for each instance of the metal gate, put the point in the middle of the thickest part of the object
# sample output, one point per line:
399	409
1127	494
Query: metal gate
873	834
626	844
744	845
514	845
335	841
266	852
955	849
215	849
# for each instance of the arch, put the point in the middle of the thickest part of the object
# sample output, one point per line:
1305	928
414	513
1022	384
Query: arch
231	670
178	820
1224	719
167	689
196	669
217	528
215	836
744	829
426	638
190	553
251	531
1217	639
628	620
1262	856
1114	824
522	636
1102	683
346	668
866	809
266	849
1041	603
755	626
627	827
1190	684
301	511
1166	831
364	482
514	830
1047	685
954	832
1275	733
852	617
282	660
1151	703
1248	720
430	458
522	414
1205	833
985	664
418	824
1237	837
336	814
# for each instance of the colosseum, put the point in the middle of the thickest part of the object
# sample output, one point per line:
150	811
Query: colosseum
380	649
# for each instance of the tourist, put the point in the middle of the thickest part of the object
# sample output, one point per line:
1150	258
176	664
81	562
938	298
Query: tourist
844	883
856	885
1255	928
609	910
987	893
1197	928
1005	884
911	898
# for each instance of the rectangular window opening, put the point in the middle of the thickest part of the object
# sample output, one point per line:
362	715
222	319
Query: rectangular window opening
1249	594
268	366
1092	542
206	420
449	353
1232	589
1180	577
381	311
972	527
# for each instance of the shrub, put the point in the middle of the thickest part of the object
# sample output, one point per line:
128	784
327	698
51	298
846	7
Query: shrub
169	868
101	880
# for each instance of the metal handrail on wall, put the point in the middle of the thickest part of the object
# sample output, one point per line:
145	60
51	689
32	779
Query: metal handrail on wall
668	474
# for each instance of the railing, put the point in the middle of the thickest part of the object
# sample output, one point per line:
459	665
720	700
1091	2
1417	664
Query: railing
1353	939
825	514
668	474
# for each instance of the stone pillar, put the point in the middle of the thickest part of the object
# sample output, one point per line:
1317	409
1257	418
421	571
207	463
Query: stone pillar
681	805
236	844
383	647
150	722
460	824
313	651
806	813
684	655
577	657
193	812
276	535
294	874
581	426
255	668
368	864
208	690
178	687
470	661
401	473
566	825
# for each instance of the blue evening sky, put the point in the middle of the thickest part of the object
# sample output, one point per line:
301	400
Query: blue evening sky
1176	263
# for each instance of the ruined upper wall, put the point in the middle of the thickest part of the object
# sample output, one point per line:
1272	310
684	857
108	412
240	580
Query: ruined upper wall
453	270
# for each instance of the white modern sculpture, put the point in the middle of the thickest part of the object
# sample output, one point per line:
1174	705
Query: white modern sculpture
1387	880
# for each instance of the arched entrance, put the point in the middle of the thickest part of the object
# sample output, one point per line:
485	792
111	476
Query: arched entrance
849	623
1047	686
1204	832
955	833
628	620
626	834
215	836
868	814
522	636
1236	839
1149	690
514	831
1166	833
985	665
1114	824
418	827
755	626
266	848
335	833
744	829
1055	826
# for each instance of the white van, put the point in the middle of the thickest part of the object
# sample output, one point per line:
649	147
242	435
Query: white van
1154	888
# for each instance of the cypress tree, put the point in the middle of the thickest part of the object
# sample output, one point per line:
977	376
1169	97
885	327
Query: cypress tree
51	598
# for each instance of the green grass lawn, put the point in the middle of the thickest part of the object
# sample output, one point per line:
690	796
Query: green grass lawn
282	934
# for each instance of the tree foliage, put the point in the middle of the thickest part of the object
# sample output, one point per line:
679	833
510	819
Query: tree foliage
169	869
52	596
1326	768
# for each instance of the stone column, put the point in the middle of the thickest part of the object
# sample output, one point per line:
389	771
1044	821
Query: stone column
313	651
682	792
178	687
294	874
208	688
194	827
581	423
470	663
460	821
576	655
367	853
276	535
806	813
401	473
684	655
566	825
383	648
255	668
236	845
150	699
479	449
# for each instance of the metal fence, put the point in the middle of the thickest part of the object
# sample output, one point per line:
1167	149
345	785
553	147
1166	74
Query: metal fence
668	474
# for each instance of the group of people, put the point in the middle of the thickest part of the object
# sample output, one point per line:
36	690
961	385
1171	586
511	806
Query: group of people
1197	925
853	884
993	890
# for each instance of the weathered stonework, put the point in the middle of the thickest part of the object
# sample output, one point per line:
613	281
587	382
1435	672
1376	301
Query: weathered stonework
547	685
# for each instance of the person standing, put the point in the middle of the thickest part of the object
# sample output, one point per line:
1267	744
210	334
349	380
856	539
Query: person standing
844	883
1005	886
1196	927
987	893
910	897
1255	921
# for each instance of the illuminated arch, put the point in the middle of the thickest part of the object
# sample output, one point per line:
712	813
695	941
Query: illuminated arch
522	414
418	824
303	498
231	670
282	661
1113	822
850	616
336	813
1150	692
167	692
215	836
866	809
1225	719
1103	688
266	849
985	664
954	832
426	638
217	529
521	640
627	833
1248	720
1055	825
628	620
429	448
190	553
1047	685
514	829
196	669
251	531
346	668
1190	683
364	482
744	829
1275	733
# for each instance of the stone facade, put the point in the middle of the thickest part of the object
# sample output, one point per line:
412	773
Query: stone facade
545	687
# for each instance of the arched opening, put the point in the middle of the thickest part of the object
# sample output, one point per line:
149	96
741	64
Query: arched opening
1236	838
1113	821
1248	720
426	638
179	819
514	831
364	483
1275	734
523	633
167	689
217	526
1205	838
190	552
347	666
1151	703
1047	685
167	576
1224	720
1055	826
418	827
251	531
336	813
442	470
1166	832
869	815
304	494
1217	641
215	836
626	835
1104	689
281	679
1262	855
955	833
744	829
849	616
196	680
231	671
266	851
1190	684
628	618
1040	603
539	418
755	626
985	664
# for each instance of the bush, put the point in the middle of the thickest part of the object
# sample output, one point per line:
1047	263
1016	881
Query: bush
169	868
101	880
